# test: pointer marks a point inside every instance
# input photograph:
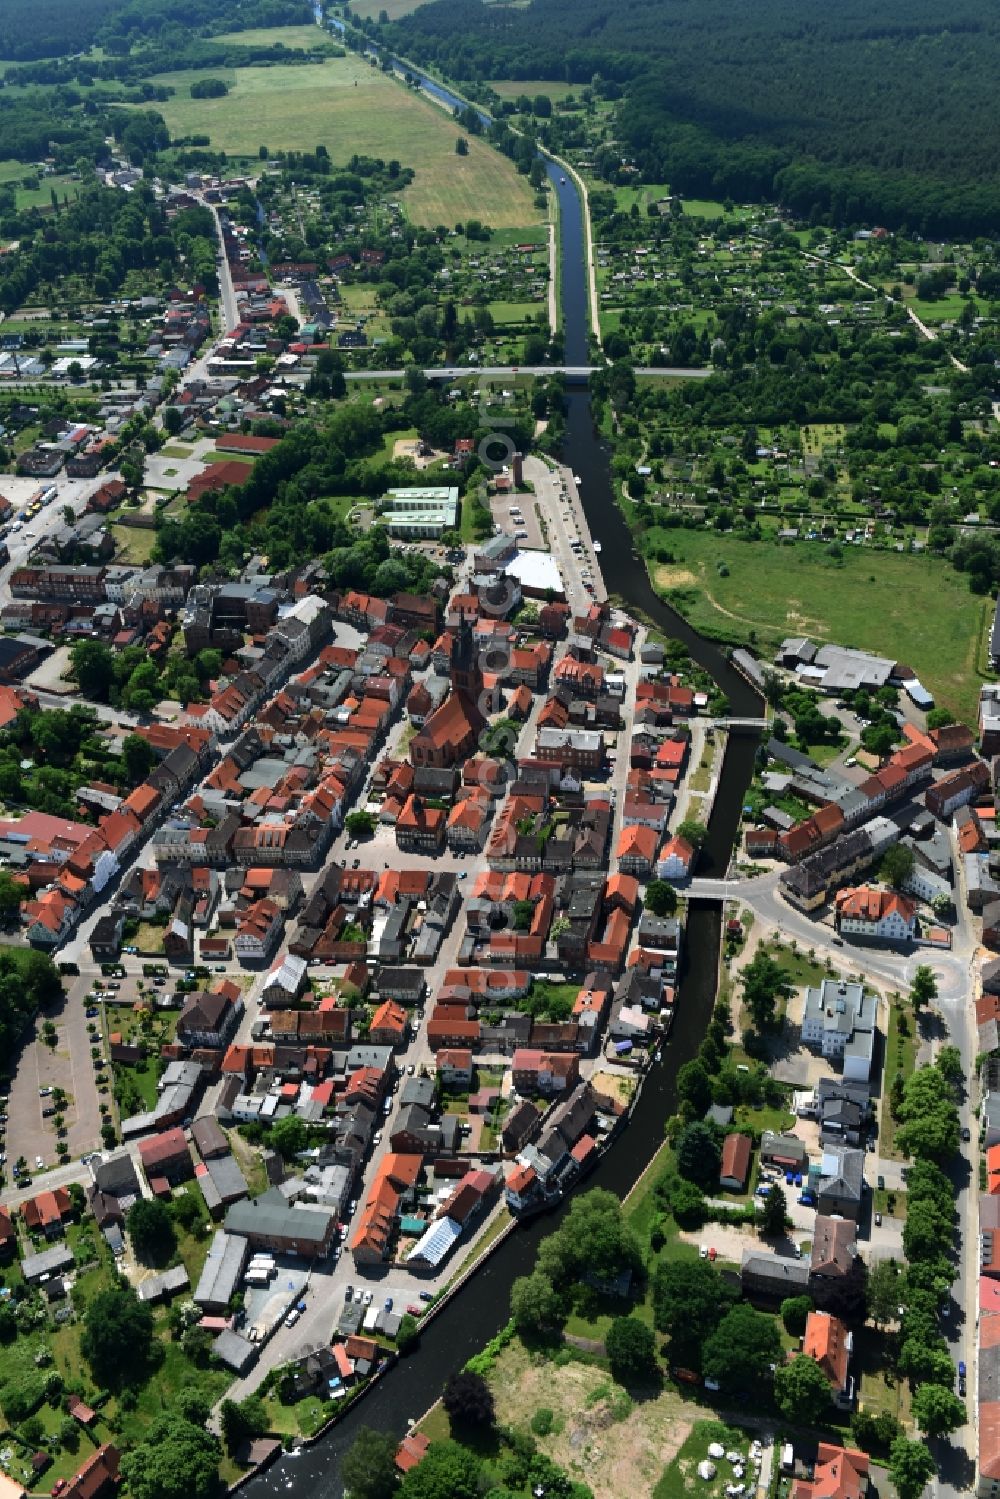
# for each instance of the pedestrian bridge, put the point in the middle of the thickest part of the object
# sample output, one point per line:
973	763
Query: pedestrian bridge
748	724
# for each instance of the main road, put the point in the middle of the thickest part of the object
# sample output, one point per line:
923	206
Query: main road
508	371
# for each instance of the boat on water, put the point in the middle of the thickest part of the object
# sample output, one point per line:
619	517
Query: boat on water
576	479
562	181
597	546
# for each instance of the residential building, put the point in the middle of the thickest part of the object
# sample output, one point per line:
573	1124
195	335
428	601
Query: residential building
829	1342
881	915
736	1152
841	1182
838	1473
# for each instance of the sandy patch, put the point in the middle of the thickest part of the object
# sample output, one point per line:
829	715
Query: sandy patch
673	577
588	1439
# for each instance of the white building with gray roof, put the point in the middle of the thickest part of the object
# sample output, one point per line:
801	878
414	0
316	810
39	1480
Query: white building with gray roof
839	1020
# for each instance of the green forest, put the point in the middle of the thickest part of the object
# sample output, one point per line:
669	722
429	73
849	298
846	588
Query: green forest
31	29
843	114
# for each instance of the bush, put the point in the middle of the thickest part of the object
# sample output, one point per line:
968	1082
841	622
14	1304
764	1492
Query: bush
541	1421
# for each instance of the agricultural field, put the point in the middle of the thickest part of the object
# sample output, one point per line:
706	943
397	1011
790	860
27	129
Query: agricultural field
727	587
352	108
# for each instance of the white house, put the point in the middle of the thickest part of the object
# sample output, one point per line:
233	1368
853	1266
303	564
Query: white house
882	915
676	859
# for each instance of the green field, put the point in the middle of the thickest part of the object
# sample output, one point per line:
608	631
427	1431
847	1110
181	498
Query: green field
711	208
40	196
915	609
302	37
393	8
512	88
352	108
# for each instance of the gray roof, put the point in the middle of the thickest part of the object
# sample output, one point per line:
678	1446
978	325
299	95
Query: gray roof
49	1262
989	1375
226	1177
117	1174
154	1287
417	1090
209	1137
839	1006
271	1215
775	1268
843	1172
223	1267
789	1146
369	1056
234	1351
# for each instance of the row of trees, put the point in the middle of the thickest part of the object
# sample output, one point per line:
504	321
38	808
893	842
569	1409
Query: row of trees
594	1243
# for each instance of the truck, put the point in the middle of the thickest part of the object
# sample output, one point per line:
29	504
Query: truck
258	1277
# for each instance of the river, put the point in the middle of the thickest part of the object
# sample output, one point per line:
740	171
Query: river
476	1315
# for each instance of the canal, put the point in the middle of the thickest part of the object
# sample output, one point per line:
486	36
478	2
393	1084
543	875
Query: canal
480	1311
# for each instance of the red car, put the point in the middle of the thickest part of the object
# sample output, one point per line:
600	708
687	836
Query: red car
58	1486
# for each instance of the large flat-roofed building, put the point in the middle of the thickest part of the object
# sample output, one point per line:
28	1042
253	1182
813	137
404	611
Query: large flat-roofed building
424	510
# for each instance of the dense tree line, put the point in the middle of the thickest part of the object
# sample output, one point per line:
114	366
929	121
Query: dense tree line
102	236
843	114
54	28
28	982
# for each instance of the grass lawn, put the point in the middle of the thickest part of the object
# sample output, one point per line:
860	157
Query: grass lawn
866	601
302	1418
351	108
757	1121
801	969
149	938
143	1081
175	1373
41	196
712	208
681	1478
823	754
900	1056
134	544
892	1204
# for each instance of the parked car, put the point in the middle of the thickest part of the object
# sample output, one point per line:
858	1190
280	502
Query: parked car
878	1220
880	1183
966	1133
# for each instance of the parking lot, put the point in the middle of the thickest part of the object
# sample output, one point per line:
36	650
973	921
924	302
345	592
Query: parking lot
516	514
267	1306
67	1065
